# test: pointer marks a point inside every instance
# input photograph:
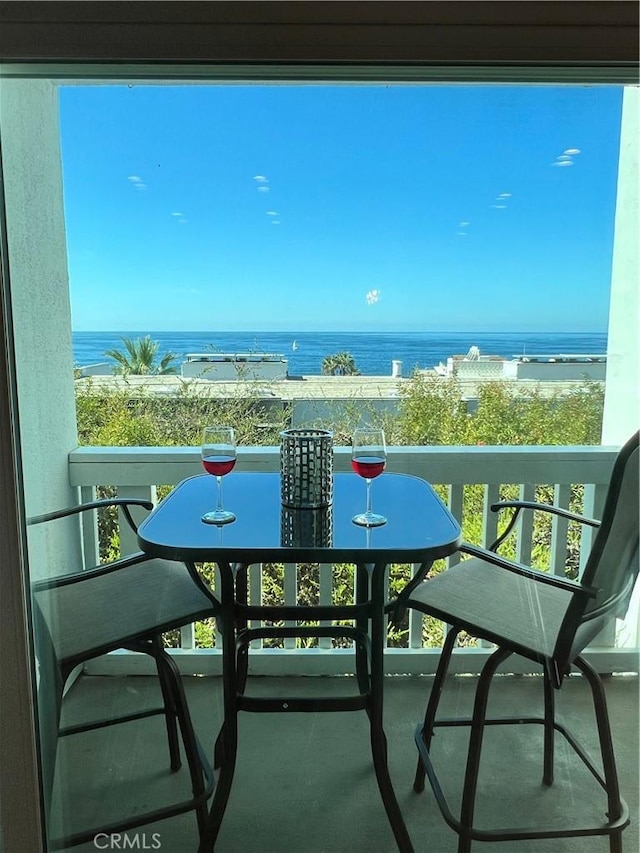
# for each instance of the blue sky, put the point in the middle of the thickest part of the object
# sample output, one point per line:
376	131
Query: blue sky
346	207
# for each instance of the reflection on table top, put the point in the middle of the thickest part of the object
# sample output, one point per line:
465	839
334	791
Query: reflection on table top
419	526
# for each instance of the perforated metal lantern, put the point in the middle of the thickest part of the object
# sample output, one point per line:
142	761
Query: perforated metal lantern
306	528
306	467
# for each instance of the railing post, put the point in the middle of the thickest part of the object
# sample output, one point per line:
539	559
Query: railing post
415	619
325	571
490	519
489	527
290	597
594	499
255	596
90	542
525	531
456	507
559	531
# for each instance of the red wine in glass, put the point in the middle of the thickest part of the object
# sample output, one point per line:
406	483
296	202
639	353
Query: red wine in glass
218	465
368	459
218	458
368	466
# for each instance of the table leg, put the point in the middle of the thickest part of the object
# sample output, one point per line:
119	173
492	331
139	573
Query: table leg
242	597
378	738
362	595
227	743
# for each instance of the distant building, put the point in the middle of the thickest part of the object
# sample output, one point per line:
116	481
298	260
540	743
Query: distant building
565	367
225	367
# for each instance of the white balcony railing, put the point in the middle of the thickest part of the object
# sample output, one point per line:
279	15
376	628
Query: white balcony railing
138	471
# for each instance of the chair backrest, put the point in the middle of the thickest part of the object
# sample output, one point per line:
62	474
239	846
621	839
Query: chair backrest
612	567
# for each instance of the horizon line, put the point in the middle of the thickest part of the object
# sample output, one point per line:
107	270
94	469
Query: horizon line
340	331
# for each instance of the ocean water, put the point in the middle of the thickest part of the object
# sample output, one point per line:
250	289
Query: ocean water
373	352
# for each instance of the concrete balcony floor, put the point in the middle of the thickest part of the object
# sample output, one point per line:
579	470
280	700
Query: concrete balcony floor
305	784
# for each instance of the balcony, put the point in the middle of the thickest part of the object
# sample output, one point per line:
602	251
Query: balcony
306	783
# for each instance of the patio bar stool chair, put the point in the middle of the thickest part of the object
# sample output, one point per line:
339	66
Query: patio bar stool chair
546	619
125	604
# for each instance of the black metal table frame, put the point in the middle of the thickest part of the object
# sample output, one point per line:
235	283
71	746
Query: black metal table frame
367	631
236	637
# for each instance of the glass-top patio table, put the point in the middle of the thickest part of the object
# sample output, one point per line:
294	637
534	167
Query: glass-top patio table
419	530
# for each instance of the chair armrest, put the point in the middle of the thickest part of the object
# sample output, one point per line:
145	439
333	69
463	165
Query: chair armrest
527	571
555	510
79	576
534	505
125	503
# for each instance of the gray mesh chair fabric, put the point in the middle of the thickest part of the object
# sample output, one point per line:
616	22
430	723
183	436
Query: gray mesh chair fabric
546	619
126	604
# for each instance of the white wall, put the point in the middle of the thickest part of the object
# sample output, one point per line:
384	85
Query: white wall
103	368
622	395
41	308
479	370
225	371
622	399
576	370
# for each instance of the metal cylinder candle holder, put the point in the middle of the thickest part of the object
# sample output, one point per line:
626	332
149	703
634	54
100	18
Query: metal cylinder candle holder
306	468
306	528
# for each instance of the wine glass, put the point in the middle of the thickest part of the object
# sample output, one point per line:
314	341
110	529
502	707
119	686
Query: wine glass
218	458
368	458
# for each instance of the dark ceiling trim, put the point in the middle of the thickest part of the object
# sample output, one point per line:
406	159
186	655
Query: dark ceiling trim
455	12
388	32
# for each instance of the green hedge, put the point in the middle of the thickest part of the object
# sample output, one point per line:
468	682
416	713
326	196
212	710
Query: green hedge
430	412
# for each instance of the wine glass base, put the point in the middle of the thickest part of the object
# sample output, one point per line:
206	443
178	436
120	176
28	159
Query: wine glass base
369	519
218	516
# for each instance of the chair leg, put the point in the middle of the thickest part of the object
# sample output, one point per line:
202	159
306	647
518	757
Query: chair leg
242	666
549	729
432	704
475	747
228	751
179	702
614	805
362	667
169	704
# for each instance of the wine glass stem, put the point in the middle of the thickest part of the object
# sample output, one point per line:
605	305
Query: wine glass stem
219	507
368	482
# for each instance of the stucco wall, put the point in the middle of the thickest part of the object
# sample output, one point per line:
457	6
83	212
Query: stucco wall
622	401
557	370
41	309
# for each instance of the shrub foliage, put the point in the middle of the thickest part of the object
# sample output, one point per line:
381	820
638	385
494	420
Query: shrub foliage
431	411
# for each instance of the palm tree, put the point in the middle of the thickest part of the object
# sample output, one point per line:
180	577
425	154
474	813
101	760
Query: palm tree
340	364
140	358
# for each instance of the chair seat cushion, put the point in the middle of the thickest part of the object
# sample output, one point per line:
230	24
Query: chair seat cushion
495	604
100	613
